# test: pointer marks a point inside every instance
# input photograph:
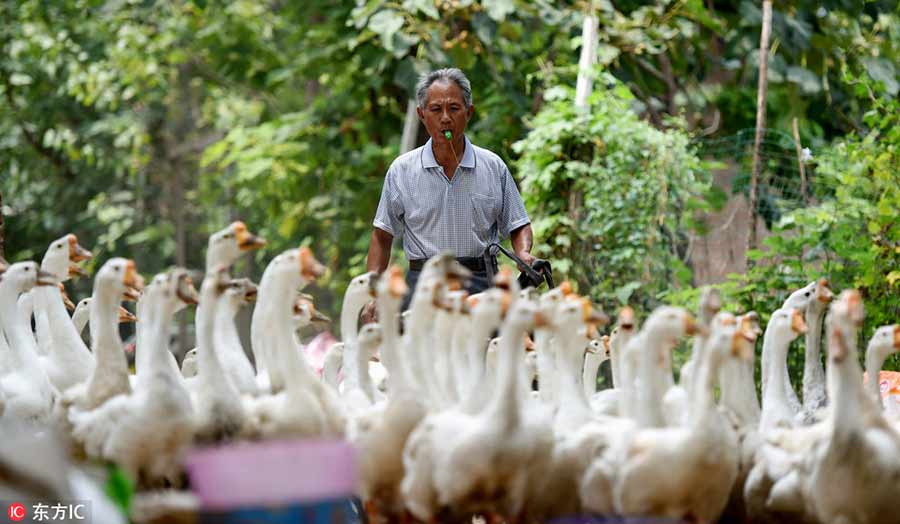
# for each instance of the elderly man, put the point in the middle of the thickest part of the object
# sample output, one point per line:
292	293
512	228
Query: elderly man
448	195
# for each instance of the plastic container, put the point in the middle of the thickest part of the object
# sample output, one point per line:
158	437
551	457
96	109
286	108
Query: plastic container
292	481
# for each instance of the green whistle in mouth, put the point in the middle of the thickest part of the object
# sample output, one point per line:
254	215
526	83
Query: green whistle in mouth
448	135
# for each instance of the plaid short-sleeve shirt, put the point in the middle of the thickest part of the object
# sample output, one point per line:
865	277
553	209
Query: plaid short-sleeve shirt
480	205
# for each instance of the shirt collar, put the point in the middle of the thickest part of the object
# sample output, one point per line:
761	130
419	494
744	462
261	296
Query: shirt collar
468	159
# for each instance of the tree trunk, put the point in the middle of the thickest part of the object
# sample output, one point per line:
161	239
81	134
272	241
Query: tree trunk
760	117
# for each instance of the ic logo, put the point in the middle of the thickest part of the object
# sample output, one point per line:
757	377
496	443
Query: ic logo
16	512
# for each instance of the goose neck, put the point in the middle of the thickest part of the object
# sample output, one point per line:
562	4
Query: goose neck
775	405
569	363
18	334
504	406
389	319
813	372
546	364
874	362
846	376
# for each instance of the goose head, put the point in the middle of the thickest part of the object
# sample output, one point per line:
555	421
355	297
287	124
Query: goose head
446	267
800	299
61	257
118	277
787	324
363	286
750	328
305	313
239	293
489	307
227	245
23	276
670	323
885	341
178	289
370	337
739	333
391	285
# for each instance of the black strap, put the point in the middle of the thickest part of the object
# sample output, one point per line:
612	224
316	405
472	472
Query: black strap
471	263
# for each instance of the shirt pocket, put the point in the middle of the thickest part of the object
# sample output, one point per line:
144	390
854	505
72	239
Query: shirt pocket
485	210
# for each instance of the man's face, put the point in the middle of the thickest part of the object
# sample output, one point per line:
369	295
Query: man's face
444	110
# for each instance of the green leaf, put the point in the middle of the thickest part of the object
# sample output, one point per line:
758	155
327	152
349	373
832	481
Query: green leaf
386	23
499	9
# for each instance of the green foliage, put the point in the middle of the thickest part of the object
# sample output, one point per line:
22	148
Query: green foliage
611	195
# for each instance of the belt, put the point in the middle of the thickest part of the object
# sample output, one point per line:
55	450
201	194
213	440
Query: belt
472	263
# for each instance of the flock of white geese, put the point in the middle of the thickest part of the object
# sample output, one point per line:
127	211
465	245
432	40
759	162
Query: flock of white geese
453	427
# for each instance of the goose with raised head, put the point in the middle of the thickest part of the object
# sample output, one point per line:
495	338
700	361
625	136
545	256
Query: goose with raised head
884	342
596	354
544	345
59	260
676	398
223	249
687	472
799	299
851	475
117	430
306	408
117	278
661	332
217	402
575	324
488	463
611	401
29	393
784	326
428	442
815	396
238	293
355	362
380	433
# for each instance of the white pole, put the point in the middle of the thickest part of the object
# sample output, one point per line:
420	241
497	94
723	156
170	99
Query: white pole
410	127
587	60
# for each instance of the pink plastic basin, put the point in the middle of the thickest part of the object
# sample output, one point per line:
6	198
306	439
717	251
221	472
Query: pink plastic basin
272	473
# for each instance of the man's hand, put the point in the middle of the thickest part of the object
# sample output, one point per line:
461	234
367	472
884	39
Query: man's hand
526	257
369	314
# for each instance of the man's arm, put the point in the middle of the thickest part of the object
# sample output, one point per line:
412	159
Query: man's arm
522	239
379	250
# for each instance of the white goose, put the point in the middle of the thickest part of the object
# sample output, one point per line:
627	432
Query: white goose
687	471
224	248
117	277
814	395
784	326
611	401
26	387
489	462
239	293
380	433
884	342
851	475
306	407
596	355
117	430
68	361
217	402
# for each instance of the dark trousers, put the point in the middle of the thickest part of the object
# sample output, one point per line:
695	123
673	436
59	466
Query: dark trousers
476	284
